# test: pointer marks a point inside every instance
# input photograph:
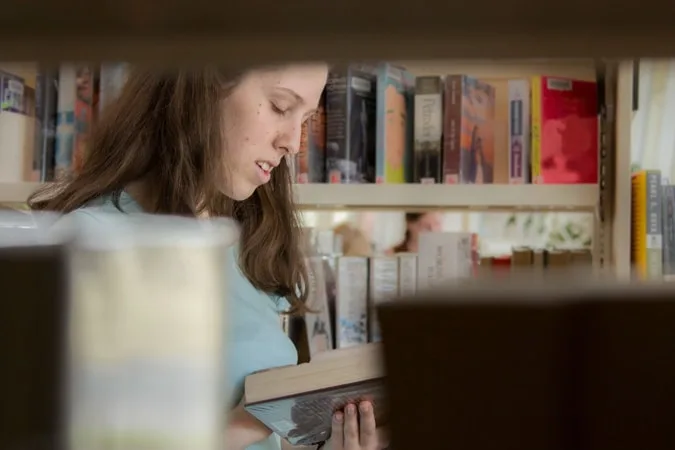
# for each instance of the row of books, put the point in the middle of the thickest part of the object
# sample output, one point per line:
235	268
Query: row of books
652	226
378	123
50	111
345	290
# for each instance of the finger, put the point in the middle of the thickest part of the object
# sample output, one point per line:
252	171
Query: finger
367	426
337	432
351	429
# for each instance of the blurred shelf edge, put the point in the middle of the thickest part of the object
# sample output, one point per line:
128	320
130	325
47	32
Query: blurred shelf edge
571	197
16	192
245	49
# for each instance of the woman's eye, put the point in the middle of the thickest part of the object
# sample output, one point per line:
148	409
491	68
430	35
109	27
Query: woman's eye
277	109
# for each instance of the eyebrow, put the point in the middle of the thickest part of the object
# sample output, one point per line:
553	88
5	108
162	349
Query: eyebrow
291	92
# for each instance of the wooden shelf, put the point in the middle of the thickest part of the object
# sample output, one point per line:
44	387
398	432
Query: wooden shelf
579	197
574	197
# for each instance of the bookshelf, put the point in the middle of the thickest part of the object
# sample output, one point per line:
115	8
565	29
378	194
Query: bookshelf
427	40
579	197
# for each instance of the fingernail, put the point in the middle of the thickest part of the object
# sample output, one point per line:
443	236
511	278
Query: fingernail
350	409
365	407
337	417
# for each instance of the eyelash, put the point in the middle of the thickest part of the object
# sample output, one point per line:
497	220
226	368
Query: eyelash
278	110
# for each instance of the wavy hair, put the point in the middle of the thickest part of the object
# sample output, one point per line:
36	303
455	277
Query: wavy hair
166	130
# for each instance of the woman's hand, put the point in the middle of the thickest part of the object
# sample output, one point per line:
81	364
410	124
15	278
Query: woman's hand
243	429
355	430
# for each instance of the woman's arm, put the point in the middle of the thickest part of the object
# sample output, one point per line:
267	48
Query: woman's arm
243	429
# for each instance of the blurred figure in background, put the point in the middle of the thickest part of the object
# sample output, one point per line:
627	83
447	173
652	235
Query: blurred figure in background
416	223
354	241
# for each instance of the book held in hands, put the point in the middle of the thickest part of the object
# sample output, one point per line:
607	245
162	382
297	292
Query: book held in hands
298	402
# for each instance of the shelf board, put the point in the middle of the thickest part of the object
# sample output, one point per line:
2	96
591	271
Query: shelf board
410	197
571	197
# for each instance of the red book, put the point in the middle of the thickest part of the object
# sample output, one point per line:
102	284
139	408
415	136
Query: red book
564	131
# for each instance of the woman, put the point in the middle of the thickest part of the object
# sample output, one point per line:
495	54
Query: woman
203	144
416	223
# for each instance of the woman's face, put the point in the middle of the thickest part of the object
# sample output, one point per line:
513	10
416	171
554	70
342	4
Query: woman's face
263	121
430	221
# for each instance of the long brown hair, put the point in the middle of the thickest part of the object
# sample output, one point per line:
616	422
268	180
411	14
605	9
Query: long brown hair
165	129
410	218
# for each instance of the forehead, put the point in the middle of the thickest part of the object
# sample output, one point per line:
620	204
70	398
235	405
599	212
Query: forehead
307	80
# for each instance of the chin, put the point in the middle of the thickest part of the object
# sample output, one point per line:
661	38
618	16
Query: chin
240	193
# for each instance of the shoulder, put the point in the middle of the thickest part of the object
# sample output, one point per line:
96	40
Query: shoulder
244	291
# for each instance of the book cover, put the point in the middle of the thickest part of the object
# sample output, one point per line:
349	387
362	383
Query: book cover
393	119
564	131
310	163
350	125
428	130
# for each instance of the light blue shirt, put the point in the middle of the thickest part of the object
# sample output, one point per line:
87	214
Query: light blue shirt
254	341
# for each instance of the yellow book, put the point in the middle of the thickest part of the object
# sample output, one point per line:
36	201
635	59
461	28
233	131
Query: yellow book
646	225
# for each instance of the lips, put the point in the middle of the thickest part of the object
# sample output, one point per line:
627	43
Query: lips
265	166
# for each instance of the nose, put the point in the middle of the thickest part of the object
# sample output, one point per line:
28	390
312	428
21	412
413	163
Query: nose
289	138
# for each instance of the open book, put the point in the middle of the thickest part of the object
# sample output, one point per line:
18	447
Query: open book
298	402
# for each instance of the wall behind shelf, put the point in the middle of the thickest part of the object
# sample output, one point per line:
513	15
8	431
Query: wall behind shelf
652	130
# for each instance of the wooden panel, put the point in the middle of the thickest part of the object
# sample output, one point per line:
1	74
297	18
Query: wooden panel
245	50
246	31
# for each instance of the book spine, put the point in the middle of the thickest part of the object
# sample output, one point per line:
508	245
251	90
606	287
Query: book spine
654	226
351	309
362	93
452	131
536	130
668	219
519	131
428	130
46	98
336	126
310	162
443	257
407	274
383	286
